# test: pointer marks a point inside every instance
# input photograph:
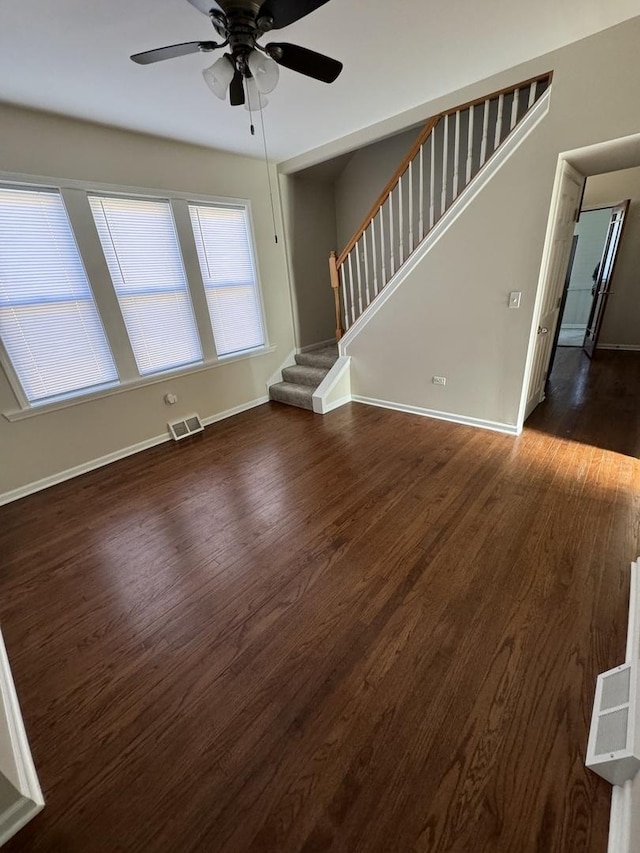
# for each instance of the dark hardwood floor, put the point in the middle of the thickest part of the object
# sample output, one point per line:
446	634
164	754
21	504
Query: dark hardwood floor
368	632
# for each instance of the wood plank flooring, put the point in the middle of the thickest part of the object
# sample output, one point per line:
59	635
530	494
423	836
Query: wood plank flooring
364	632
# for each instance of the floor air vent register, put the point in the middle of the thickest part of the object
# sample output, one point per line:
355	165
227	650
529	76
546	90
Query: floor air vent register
613	751
185	427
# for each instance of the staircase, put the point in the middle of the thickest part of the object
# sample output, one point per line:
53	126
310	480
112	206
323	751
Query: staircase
301	379
449	153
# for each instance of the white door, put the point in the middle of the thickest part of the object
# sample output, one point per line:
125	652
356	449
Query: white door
606	269
564	216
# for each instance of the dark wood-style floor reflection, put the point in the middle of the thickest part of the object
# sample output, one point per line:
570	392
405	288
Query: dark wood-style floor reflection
366	632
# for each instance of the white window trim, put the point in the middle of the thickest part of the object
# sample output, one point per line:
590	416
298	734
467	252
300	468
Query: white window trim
128	381
132	384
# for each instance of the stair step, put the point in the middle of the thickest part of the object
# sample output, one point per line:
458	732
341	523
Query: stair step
300	374
292	394
324	357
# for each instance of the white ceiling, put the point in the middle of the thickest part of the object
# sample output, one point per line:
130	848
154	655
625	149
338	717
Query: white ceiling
71	57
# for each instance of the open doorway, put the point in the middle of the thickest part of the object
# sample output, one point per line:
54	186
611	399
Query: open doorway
590	235
613	171
597	239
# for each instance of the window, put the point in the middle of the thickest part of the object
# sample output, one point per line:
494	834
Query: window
143	255
228	271
63	336
49	323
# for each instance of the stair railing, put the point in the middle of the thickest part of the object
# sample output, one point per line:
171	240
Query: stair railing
448	153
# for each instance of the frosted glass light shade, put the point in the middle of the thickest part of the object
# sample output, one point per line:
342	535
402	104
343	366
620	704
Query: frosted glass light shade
264	71
219	76
253	101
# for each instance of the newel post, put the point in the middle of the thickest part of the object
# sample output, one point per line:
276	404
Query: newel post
335	285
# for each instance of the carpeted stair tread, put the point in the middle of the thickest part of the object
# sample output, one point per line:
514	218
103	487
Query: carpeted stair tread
303	375
324	357
292	394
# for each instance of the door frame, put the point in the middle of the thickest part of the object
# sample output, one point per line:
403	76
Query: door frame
565	173
563	304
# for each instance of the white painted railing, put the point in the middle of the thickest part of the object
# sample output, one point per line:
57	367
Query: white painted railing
447	155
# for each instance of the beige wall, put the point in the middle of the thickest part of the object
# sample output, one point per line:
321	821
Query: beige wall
450	316
363	179
311	234
621	326
44	145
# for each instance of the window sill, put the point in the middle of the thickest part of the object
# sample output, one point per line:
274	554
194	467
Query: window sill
33	411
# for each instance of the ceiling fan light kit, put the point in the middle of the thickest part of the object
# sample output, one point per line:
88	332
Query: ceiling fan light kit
218	76
250	70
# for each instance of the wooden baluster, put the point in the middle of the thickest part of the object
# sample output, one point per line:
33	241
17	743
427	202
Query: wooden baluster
366	267
391	235
356	249
445	165
400	223
421	197
374	258
383	261
353	301
470	145
514	109
498	133
432	188
456	161
335	284
410	206
532	94
485	133
343	290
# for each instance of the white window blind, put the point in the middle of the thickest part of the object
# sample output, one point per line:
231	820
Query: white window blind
225	253
49	323
141	248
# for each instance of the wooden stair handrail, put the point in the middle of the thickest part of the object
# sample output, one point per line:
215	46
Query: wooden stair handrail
422	137
389	186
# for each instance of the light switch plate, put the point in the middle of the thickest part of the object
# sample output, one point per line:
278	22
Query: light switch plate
514	298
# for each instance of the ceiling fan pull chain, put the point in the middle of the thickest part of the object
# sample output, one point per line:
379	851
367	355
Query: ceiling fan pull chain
266	163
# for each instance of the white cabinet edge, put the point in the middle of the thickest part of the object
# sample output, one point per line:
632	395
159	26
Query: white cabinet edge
23	771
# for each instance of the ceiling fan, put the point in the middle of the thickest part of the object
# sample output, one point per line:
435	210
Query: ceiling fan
250	70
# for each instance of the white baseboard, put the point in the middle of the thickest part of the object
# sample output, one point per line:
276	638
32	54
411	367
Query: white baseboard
12	820
69	473
329	407
236	410
276	376
22	773
623	347
494	426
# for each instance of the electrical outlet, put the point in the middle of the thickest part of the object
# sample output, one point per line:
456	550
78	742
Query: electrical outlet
439	380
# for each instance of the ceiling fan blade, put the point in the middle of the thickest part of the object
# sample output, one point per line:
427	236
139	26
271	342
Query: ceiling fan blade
172	50
205	6
236	90
305	61
284	12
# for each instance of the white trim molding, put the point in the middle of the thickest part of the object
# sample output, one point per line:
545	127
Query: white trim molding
22	773
494	426
335	389
91	465
276	376
621	347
